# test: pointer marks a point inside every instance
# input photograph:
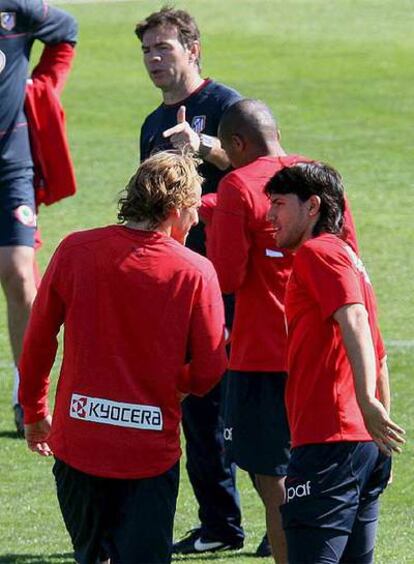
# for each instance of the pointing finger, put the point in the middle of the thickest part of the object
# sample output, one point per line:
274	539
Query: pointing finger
176	129
181	115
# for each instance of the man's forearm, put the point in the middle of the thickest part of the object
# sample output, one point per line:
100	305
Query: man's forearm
356	334
216	155
384	391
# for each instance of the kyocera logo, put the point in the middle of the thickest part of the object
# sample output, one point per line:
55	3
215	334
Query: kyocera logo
109	412
301	490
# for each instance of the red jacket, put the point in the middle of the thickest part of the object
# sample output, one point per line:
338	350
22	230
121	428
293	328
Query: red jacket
54	172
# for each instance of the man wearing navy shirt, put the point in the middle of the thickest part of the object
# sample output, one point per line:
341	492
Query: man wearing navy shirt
188	118
21	23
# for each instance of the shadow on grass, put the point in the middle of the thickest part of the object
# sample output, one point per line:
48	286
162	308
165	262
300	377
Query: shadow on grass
64	558
67	558
9	435
211	556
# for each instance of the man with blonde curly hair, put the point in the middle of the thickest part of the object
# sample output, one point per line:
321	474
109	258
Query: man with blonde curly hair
144	325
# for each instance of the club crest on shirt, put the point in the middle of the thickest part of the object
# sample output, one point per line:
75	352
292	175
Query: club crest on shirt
25	215
198	123
2	60
8	20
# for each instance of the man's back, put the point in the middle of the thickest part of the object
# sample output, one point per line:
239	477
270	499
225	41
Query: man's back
249	263
132	303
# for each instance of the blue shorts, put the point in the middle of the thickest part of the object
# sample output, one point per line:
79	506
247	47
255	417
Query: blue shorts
17	211
256	434
130	521
331	508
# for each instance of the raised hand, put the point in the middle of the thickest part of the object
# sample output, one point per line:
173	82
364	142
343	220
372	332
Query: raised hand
181	136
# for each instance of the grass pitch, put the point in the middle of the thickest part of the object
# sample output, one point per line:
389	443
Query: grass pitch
339	77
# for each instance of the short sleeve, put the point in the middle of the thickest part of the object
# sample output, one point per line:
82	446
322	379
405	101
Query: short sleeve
49	24
329	276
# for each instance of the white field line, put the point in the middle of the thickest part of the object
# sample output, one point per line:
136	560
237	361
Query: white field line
396	344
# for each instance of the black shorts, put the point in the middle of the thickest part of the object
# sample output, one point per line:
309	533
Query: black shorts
130	521
331	507
256	430
17	211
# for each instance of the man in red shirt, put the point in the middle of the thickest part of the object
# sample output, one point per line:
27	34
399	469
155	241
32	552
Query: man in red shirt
241	245
337	392
137	306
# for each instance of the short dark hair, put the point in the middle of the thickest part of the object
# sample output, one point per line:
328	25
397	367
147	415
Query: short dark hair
185	24
163	182
251	119
314	178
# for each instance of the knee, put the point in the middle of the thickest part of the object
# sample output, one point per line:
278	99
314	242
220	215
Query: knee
271	489
18	282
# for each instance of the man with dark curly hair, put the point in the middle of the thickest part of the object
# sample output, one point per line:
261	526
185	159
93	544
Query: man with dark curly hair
337	392
144	325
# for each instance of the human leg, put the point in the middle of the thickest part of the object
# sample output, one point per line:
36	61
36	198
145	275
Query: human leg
373	479
82	499
260	441
212	478
142	528
17	229
310	545
18	283
272	492
325	488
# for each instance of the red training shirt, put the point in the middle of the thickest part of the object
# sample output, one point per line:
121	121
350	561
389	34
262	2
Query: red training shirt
241	245
136	306
320	394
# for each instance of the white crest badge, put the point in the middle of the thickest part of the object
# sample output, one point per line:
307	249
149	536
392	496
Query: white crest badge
8	20
198	123
25	215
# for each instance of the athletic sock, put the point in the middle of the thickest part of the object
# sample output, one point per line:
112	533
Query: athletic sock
15	395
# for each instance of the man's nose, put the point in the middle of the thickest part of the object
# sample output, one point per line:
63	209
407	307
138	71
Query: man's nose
270	215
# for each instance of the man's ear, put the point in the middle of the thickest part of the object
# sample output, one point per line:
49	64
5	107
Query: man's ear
195	51
314	203
238	142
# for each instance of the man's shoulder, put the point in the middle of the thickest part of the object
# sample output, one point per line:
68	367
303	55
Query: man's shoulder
187	260
86	236
220	89
254	175
326	248
154	115
219	93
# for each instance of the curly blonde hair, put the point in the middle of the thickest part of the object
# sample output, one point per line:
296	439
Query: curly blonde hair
163	182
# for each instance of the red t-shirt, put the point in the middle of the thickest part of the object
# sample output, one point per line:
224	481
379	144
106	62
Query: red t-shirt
241	245
320	393
136	306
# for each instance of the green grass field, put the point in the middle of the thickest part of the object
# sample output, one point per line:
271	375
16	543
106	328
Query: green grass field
339	76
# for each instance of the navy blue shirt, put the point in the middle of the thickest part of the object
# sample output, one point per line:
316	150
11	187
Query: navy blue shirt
21	23
204	109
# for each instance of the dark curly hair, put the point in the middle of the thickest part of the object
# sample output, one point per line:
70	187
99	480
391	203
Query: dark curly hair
314	178
163	182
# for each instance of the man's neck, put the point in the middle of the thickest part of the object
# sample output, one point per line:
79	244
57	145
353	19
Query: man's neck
271	150
181	91
146	226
